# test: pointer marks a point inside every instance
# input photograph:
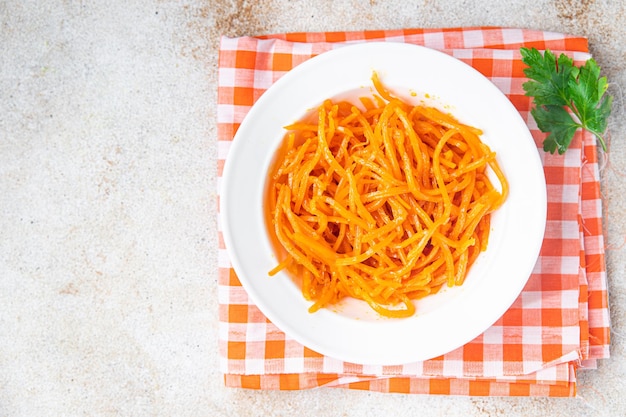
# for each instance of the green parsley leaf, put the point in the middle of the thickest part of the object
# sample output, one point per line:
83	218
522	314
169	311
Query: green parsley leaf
566	97
592	106
552	77
560	125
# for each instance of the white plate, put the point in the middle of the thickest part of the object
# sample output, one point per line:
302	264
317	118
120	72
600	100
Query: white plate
443	322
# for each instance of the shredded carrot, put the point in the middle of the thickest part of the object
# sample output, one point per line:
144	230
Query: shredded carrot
386	205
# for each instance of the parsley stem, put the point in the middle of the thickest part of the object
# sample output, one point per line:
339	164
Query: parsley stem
583	125
600	138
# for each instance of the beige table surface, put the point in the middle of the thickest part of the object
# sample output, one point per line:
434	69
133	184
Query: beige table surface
108	294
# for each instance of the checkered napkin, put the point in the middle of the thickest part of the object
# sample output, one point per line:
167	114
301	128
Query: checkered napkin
560	322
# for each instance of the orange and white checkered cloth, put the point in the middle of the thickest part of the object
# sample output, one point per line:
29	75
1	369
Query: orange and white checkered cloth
560	322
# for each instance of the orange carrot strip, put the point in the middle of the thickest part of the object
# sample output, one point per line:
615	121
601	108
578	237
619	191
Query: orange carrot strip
386	204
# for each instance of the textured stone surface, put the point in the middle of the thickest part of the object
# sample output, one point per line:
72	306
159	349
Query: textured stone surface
108	301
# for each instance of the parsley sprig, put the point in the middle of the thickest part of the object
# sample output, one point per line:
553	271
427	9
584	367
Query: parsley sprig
566	97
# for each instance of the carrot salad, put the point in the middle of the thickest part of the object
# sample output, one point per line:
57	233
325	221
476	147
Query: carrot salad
384	202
